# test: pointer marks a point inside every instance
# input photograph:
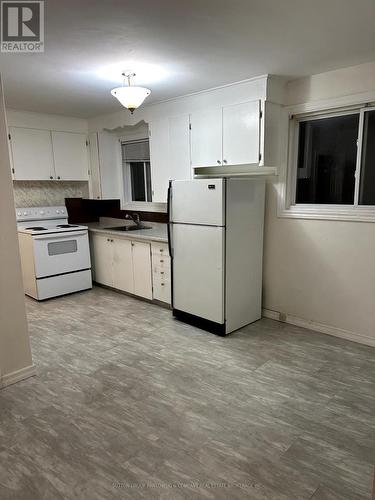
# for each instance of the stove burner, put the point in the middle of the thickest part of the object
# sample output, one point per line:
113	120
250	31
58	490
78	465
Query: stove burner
67	225
37	228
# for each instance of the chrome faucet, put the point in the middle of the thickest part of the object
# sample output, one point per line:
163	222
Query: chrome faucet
135	218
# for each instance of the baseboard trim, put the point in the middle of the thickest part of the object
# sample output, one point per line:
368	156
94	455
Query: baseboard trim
318	327
17	376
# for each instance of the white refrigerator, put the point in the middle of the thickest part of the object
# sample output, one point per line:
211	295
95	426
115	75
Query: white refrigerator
216	249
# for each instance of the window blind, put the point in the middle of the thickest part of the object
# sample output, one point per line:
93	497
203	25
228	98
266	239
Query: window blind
135	151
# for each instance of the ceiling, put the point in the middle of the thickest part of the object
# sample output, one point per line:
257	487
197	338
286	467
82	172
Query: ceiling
179	47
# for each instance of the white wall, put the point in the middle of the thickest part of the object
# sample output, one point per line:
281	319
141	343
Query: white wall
356	80
15	354
323	271
60	123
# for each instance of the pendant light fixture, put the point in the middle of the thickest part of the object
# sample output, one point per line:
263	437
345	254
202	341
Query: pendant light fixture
130	97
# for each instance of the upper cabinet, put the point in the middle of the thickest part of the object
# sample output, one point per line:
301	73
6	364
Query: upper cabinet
160	170
206	138
179	147
48	155
226	136
169	153
70	156
32	155
241	133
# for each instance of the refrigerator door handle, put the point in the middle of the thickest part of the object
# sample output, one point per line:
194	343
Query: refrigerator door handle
169	217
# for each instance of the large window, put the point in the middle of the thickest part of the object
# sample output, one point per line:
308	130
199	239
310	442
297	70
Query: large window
136	171
332	165
326	162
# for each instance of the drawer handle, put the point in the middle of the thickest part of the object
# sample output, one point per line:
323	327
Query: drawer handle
161	272
161	260
162	249
162	284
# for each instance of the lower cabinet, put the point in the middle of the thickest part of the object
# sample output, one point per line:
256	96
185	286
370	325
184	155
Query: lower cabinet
132	266
161	274
123	264
123	274
142	269
102	259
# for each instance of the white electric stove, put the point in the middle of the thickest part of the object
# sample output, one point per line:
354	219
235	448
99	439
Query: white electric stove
55	255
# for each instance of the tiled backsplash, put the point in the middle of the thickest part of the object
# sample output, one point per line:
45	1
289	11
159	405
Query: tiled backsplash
47	193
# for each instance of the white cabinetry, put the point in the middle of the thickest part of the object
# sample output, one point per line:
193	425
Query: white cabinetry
226	136
169	153
48	155
241	133
123	276
70	156
94	184
206	138
161	272
102	257
31	154
179	148
123	264
142	269
160	172
109	165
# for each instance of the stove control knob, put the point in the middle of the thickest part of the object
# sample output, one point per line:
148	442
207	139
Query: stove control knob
42	212
25	213
57	211
19	214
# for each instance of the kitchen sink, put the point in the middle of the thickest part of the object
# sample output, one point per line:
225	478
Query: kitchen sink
127	228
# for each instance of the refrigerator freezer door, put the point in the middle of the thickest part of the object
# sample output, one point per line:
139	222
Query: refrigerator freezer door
199	201
198	270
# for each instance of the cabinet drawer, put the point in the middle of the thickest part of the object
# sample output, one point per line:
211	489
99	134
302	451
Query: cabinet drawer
162	290
161	273
162	262
160	249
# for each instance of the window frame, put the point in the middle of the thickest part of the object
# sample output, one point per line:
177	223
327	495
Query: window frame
287	188
126	196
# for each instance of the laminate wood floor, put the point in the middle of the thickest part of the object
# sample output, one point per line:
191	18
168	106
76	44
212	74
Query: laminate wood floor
129	403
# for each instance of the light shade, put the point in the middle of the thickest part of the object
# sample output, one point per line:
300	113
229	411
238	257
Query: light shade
131	97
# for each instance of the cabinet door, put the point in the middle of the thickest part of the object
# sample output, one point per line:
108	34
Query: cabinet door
206	138
123	265
32	154
102	256
160	173
241	124
142	269
94	180
70	155
110	164
179	147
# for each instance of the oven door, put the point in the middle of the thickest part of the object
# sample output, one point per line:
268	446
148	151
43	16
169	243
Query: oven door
61	253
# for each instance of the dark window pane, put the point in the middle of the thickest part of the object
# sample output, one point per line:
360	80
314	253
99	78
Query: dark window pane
148	181
367	182
137	174
327	152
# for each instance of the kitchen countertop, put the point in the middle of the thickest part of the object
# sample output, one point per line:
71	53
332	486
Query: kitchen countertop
158	232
